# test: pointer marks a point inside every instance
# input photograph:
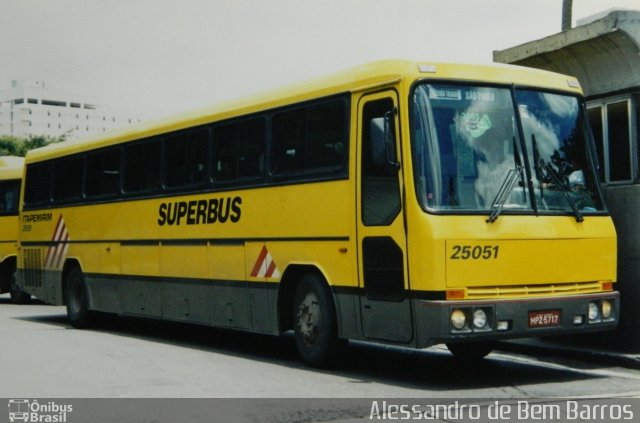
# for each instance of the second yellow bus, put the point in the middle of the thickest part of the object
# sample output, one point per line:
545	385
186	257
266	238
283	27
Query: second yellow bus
11	170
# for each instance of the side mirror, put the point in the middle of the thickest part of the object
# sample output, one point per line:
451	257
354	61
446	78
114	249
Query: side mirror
383	141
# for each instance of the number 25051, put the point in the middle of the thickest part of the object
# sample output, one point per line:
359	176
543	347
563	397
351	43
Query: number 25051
476	252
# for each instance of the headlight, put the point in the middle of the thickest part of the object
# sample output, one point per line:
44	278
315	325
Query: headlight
607	309
594	312
479	318
458	319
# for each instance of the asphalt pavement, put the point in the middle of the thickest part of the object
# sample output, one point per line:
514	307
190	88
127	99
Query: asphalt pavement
573	349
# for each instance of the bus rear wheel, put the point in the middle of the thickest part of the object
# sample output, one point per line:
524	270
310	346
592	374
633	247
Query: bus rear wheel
18	296
471	352
314	319
77	300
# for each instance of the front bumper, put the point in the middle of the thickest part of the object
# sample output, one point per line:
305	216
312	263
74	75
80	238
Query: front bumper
513	318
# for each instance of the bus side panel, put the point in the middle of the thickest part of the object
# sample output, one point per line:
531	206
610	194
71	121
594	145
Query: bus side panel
230	306
183	296
187	301
188	261
104	293
8	248
348	311
226	261
140	259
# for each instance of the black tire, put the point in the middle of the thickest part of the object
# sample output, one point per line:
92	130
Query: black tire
314	321
18	296
77	300
471	352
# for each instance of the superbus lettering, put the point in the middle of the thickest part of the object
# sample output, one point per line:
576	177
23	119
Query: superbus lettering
199	212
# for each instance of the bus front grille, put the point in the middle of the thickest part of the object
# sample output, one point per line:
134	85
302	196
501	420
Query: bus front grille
477	293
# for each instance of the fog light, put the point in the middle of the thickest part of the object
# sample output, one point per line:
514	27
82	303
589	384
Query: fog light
594	313
458	319
578	320
479	319
607	308
503	325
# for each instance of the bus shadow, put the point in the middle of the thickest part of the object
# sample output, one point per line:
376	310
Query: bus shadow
430	369
436	369
5	299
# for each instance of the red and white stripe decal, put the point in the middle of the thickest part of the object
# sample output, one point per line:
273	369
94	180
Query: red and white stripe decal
57	252
265	267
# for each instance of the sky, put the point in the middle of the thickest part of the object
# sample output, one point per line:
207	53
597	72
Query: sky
153	58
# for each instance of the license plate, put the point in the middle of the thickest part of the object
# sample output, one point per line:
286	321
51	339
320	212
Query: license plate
544	318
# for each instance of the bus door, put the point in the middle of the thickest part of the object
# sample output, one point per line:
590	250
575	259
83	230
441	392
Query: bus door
385	305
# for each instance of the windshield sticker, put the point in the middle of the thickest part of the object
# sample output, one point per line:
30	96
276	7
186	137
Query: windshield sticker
480	95
475	123
445	94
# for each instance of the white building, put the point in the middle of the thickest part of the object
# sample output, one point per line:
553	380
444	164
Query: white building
31	108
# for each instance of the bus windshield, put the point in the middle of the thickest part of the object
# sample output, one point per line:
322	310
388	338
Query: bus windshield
469	154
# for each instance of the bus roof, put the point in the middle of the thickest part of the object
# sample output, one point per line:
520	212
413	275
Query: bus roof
11	167
356	79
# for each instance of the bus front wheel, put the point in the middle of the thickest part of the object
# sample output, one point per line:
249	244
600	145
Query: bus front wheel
470	352
77	300
315	325
18	296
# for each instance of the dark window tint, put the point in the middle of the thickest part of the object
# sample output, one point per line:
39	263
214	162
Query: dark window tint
383	268
142	166
326	135
103	173
309	139
619	148
288	141
186	159
37	188
595	120
9	194
67	181
238	151
381	200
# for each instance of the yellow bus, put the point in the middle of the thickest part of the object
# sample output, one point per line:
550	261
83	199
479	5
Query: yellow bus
398	202
11	170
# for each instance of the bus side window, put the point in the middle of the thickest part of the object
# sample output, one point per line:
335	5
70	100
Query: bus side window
223	154
9	190
380	184
38	184
326	135
251	148
67	179
103	173
142	166
287	140
185	159
310	139
239	150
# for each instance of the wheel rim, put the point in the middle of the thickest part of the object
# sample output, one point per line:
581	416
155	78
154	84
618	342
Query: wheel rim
309	318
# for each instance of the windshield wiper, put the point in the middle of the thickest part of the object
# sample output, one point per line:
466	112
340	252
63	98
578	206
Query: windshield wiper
504	192
542	165
507	186
563	189
537	165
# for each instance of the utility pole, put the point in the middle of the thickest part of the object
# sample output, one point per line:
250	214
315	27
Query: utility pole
567	7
